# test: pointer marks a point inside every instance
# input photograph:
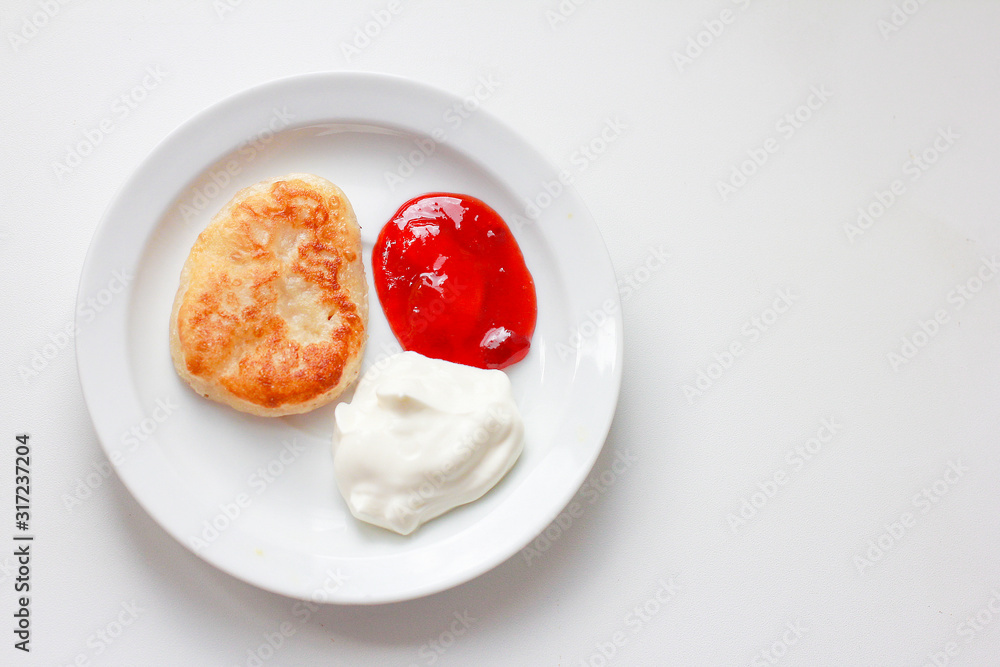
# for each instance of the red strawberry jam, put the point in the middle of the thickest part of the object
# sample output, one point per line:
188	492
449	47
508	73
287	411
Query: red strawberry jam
453	283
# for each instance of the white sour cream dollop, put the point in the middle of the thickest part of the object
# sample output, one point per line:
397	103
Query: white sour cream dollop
422	436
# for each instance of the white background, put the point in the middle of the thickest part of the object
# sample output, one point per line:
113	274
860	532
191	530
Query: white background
808	556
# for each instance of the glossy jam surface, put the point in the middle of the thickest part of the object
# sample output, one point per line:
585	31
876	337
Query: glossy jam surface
453	283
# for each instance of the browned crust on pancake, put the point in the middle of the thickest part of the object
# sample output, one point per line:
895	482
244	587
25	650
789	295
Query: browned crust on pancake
272	310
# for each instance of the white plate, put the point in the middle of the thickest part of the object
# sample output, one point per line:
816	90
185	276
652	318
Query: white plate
259	493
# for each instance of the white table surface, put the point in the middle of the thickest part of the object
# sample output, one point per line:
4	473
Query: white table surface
880	546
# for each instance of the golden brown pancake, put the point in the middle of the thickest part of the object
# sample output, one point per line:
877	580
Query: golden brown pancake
272	310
